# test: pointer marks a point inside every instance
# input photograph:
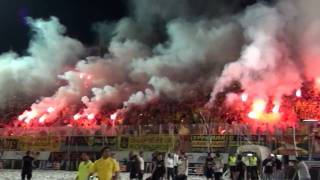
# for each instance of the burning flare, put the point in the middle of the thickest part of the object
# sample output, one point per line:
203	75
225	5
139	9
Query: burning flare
258	111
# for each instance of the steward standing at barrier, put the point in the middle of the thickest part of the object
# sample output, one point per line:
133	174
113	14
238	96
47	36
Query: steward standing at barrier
253	167
232	162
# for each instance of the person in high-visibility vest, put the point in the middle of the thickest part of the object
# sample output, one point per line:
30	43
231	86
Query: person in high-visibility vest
232	163
252	168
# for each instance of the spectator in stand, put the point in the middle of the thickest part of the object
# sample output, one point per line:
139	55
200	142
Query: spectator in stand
182	173
85	167
105	167
27	166
208	167
170	166
141	162
268	167
159	168
218	167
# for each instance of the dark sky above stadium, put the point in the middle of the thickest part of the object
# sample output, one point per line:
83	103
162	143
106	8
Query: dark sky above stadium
77	15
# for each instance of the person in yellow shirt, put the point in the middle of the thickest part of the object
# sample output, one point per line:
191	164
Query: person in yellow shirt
106	167
85	167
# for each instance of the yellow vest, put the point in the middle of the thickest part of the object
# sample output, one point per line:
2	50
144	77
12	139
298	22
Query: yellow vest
232	161
253	161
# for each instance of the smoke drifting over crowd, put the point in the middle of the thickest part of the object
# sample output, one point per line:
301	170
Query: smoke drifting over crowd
174	50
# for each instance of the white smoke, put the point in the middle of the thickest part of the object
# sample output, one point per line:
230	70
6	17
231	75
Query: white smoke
141	98
101	96
167	87
36	72
266	66
261	47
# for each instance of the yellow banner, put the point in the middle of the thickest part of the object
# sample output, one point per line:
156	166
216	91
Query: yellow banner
9	144
148	143
220	141
39	143
208	141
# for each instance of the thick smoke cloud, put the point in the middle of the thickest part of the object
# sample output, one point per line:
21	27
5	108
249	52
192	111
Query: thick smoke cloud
152	16
265	59
306	31
138	73
35	73
153	11
174	50
281	49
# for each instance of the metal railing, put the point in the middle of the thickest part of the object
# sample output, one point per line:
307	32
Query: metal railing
138	130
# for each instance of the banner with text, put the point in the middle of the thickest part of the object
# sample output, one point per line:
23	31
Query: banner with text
148	143
222	141
91	141
49	143
9	144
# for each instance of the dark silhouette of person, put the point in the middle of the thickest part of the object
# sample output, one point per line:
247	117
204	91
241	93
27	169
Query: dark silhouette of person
27	166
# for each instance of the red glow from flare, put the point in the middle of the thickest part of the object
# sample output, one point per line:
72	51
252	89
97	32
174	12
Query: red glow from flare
91	116
244	97
43	118
113	116
253	115
76	116
298	93
21	117
50	110
258	112
276	107
317	81
27	121
259	105
222	131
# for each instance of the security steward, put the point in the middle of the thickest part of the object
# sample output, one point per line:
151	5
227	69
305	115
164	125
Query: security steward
253	167
232	163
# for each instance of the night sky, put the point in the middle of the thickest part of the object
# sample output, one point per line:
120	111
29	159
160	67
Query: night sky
77	15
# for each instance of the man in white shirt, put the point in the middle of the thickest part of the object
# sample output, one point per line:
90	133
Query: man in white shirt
141	161
218	167
170	166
